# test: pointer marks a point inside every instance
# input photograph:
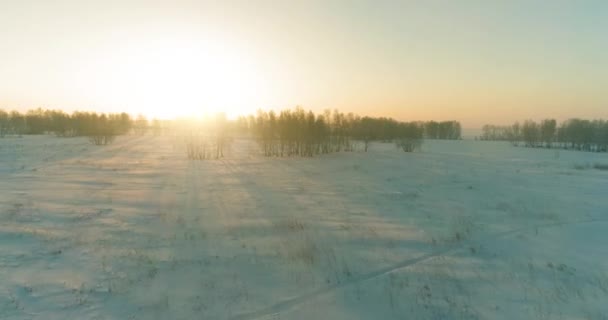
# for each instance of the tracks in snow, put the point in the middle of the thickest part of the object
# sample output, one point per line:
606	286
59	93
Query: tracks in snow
288	304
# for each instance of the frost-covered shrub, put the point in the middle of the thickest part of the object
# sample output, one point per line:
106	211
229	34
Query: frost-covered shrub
101	140
601	166
409	144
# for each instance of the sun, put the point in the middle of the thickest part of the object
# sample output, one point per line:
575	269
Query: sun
180	78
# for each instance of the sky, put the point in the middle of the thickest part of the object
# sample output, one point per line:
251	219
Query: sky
476	62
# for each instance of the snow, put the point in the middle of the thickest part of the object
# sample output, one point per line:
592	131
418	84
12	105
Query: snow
460	230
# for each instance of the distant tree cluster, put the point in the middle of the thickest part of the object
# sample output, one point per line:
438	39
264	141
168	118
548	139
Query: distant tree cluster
101	128
445	130
206	139
586	135
576	134
407	135
303	133
499	133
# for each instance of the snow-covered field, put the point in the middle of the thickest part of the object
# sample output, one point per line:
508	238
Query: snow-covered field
459	230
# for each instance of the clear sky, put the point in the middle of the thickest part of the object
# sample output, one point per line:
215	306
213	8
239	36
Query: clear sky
474	61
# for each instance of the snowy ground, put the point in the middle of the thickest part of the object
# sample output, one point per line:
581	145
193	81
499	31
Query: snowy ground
460	230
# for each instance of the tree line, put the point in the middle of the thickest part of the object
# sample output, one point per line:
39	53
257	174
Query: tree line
575	134
291	132
101	128
445	130
303	133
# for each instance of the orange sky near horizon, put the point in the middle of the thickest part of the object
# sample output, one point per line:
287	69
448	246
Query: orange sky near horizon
472	61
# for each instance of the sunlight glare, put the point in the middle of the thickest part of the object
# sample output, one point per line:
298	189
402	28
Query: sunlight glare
172	79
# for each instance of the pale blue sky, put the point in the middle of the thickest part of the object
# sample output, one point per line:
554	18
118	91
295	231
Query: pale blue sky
474	61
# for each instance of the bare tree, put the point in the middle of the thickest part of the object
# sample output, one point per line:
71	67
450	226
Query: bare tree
548	128
4	123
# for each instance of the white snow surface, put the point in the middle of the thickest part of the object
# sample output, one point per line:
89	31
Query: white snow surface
458	230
